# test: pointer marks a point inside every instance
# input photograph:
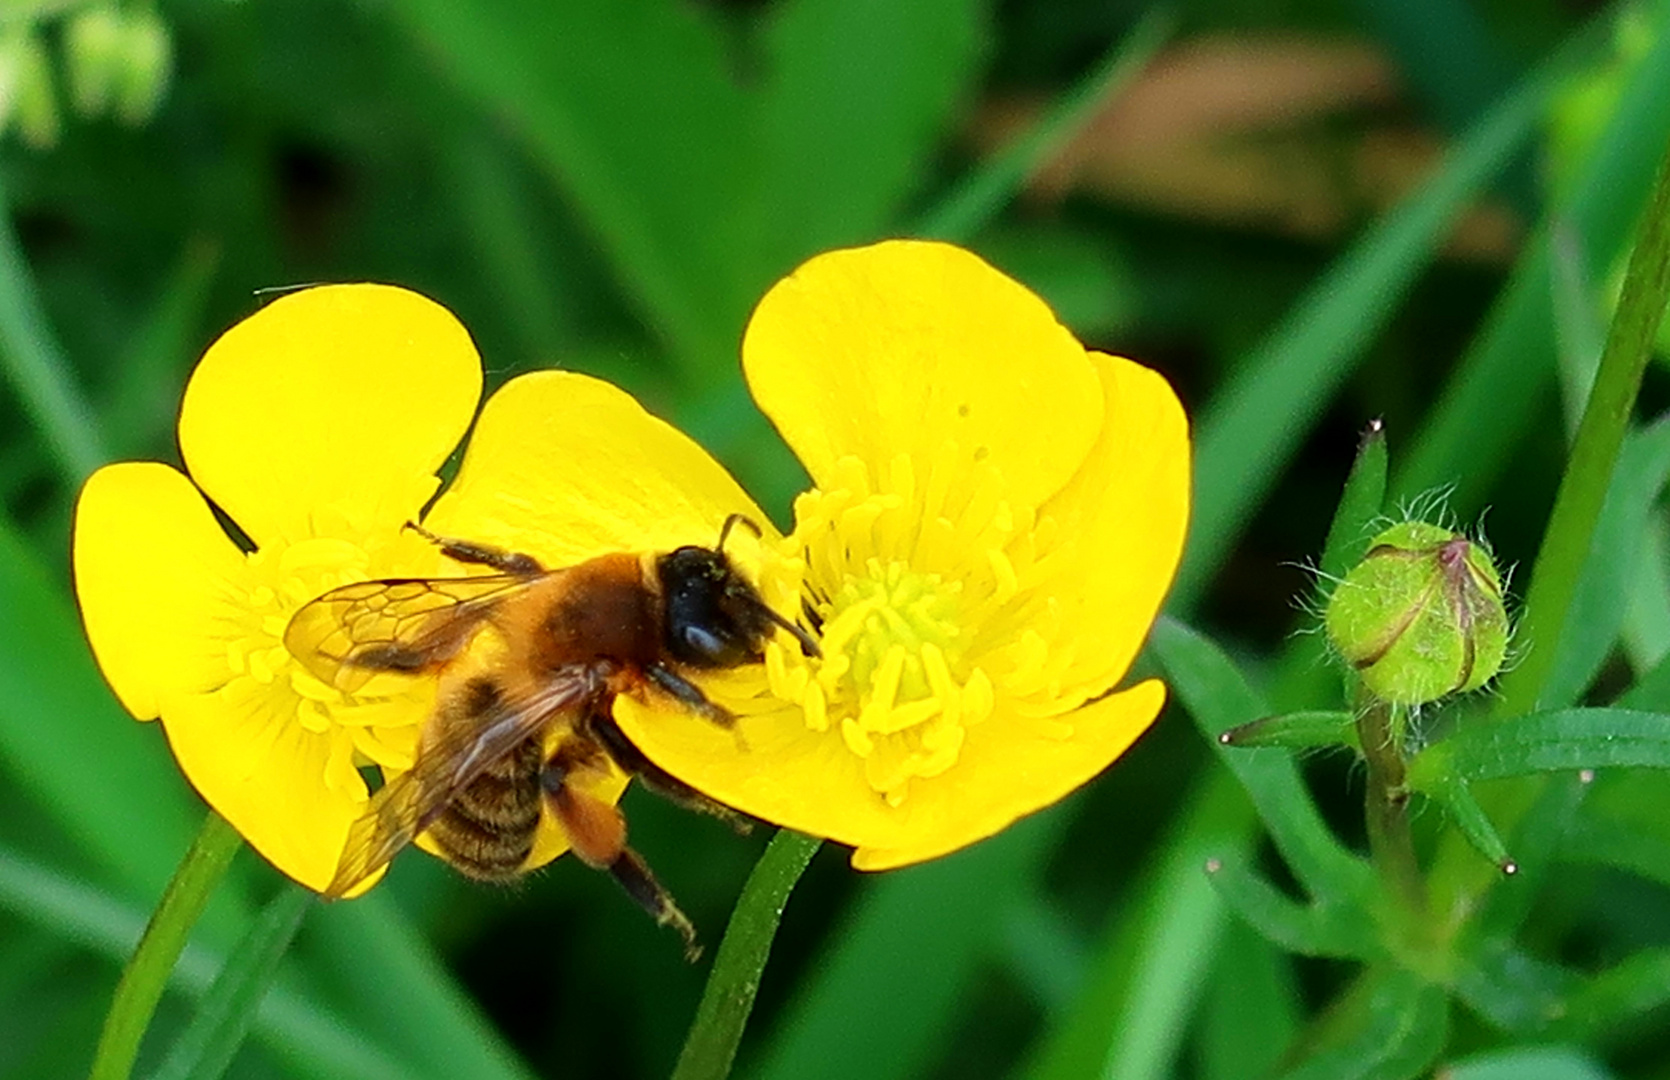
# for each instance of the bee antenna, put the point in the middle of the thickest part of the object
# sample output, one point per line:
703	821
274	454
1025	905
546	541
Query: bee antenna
808	644
731	522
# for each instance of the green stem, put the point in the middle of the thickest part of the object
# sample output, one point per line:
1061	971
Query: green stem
711	1045
165	935
1594	453
1386	806
36	368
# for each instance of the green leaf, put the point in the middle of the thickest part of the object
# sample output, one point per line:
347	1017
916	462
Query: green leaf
211	1040
1491	400
1218	698
1391	1027
1359	506
1565	739
858	100
1510	988
1339	930
1528	1063
1252	426
908	948
1602	1004
1458	801
1315	730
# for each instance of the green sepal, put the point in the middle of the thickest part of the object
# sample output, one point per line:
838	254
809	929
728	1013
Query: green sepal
1457	799
1359	506
1311	730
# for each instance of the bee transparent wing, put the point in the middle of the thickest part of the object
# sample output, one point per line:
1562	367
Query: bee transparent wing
408	625
457	754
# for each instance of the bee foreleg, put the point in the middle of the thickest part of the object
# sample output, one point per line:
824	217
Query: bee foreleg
687	692
603	728
468	551
597	835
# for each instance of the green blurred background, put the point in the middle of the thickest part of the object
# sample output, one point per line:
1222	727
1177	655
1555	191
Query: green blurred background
607	185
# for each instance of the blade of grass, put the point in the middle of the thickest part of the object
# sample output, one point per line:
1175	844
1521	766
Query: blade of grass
981	195
211	1040
1492	399
1264	410
37	369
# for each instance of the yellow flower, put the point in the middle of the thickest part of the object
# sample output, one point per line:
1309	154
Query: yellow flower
317	425
997	516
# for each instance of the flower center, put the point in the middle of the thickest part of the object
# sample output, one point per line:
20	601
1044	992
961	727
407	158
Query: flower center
900	576
268	684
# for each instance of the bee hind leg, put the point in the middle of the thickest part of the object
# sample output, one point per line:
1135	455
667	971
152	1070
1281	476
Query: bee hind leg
468	551
607	732
597	835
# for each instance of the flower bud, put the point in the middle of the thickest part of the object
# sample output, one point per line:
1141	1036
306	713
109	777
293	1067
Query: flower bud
93	43
26	93
1421	616
144	67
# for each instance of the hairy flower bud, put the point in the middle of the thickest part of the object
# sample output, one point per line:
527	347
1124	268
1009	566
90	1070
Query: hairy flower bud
1421	616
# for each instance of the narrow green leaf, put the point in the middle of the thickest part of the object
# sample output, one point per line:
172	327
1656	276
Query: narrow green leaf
36	367
858	99
1565	739
907	950
1317	730
979	196
1154	960
1489	403
1612	999
1457	800
1218	698
1603	592
1598	840
1528	1063
1252	1009
1394	1028
1337	930
1252	426
1512	989
1651	691
205	1049
1359	506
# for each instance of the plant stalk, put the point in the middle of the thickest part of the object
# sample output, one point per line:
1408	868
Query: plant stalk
1386	810
710	1048
147	973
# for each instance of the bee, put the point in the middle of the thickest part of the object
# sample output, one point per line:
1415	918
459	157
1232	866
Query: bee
573	639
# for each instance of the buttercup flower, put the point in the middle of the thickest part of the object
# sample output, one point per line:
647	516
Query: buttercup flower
317	425
996	517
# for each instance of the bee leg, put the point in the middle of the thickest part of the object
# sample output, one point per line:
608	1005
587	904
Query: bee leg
597	834
677	686
468	551
606	731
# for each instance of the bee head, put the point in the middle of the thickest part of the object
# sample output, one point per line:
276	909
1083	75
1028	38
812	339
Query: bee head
715	618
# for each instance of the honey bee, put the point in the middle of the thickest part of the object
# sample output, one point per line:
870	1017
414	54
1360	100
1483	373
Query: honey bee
573	639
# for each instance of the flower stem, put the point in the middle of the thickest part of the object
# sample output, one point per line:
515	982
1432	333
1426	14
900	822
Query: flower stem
711	1045
1386	807
165	935
1594	452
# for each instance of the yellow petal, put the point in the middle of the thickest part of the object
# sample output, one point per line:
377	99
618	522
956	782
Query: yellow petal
910	347
342	399
771	766
1122	522
1006	771
151	573
267	776
565	467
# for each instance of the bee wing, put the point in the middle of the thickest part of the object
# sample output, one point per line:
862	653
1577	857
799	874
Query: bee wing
445	765
400	624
